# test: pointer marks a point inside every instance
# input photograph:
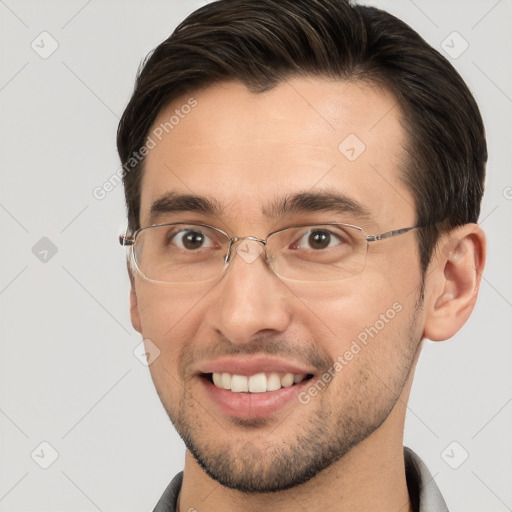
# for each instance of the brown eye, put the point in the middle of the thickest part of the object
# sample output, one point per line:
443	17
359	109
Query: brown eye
191	240
319	239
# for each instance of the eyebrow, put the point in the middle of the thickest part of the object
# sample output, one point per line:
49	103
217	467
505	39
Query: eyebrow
173	202
302	202
311	202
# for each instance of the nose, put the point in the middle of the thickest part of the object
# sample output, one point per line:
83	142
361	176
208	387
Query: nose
250	300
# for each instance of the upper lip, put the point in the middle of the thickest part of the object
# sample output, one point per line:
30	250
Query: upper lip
252	365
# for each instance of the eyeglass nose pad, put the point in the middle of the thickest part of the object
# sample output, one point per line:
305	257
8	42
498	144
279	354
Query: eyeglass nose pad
249	250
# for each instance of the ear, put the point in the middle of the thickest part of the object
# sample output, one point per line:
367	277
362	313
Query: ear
134	309
453	280
134	303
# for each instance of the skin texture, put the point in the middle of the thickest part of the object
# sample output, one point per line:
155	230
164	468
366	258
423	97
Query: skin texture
343	449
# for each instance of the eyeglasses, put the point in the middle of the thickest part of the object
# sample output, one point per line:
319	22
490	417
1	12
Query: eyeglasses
183	253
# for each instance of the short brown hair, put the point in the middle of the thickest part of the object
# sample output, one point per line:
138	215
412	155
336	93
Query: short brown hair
261	43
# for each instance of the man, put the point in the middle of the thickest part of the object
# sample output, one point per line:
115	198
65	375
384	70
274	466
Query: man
303	181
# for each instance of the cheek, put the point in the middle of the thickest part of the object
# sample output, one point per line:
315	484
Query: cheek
169	316
170	319
350	317
372	347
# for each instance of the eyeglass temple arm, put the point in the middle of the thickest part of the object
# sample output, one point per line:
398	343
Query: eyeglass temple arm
389	234
126	240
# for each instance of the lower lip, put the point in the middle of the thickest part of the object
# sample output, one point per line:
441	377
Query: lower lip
252	405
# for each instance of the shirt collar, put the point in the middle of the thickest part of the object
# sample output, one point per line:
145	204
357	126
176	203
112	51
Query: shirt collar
424	494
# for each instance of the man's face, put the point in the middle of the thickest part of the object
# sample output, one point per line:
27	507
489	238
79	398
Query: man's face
354	340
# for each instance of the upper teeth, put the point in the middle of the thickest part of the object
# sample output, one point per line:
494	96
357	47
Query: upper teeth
258	383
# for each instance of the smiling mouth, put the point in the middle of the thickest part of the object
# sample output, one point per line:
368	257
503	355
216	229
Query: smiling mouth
258	383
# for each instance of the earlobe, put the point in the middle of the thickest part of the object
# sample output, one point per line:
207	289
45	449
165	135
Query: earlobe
134	310
453	281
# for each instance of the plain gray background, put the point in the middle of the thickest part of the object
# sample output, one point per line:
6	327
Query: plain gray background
68	375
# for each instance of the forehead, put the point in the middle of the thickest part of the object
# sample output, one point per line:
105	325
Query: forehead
245	151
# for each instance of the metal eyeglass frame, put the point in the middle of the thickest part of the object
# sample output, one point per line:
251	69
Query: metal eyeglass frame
127	241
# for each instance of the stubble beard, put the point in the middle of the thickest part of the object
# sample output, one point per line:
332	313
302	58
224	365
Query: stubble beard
319	440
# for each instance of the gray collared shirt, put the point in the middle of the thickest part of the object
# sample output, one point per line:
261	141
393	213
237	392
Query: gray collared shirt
423	491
